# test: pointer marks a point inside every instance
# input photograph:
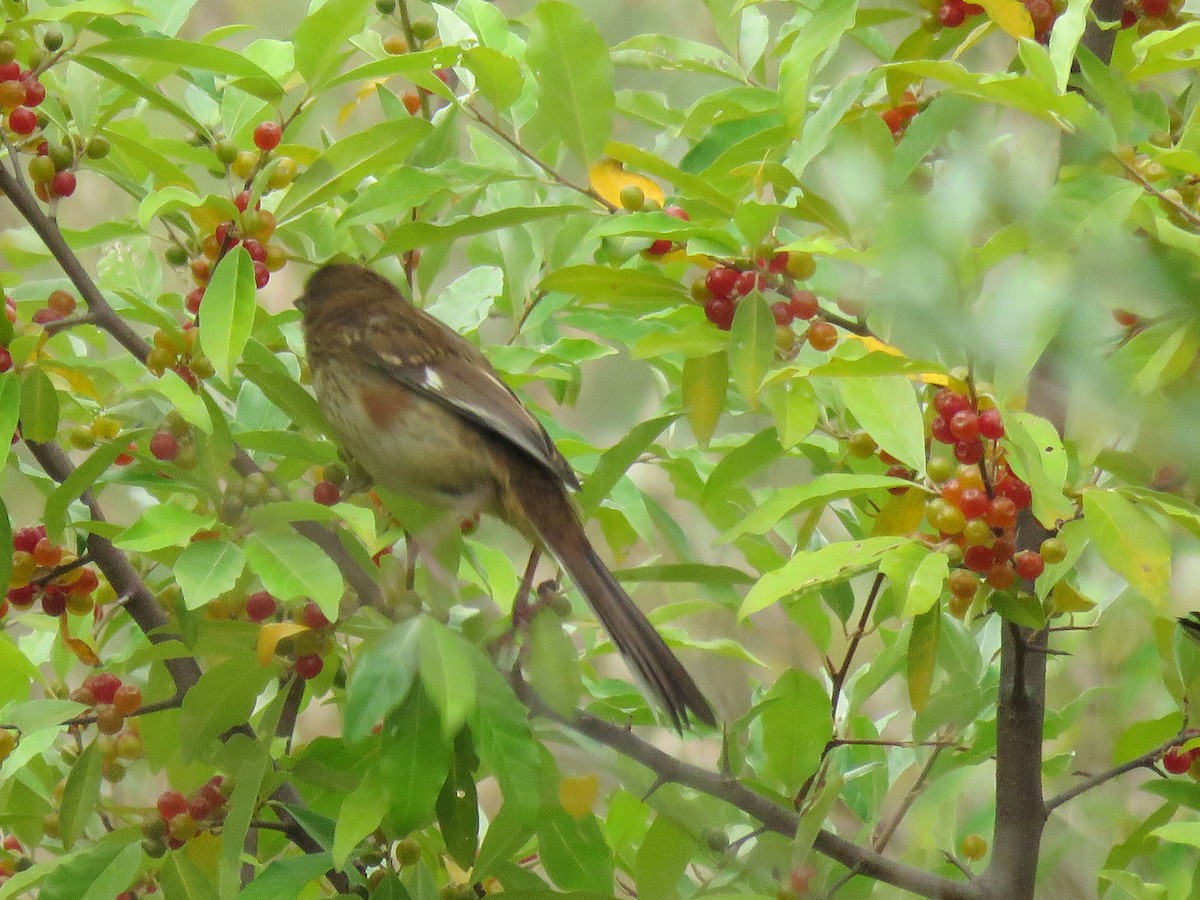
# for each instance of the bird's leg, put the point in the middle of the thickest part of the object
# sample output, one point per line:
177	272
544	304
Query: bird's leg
521	610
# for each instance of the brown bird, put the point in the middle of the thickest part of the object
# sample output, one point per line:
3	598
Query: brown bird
424	412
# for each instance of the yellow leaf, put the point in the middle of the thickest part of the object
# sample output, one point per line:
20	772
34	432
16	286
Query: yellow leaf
577	794
269	637
901	514
873	343
1065	599
206	218
1010	15
365	92
80	383
84	653
608	176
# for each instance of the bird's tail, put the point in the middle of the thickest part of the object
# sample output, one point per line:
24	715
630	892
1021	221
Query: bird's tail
555	521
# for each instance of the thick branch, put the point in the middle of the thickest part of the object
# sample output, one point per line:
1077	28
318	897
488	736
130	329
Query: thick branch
668	768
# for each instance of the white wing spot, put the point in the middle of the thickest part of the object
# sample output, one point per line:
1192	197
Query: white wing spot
432	379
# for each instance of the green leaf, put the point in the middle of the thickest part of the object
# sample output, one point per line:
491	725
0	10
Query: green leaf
269	373
446	674
797	723
139	88
922	656
507	833
917	575
1133	544
410	235
794	405
751	345
10	410
575	853
80	794
1179	833
98	873
229	308
498	76
414	762
360	814
274	555
39	406
17	673
6	541
811	568
383	673
164	525
1041	462
616	287
704	385
1142	737
662	859
181	396
180	877
322	38
287	877
552	664
786	502
887	409
207	569
503	739
458	804
570	61
372	151
617	459
191	55
223	698
84	478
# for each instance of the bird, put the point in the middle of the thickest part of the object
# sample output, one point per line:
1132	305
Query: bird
426	415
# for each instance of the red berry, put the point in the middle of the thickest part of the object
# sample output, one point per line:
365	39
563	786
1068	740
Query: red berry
46	315
746	282
54	601
242	201
26	539
199	808
660	247
164	446
171	804
22	120
326	493
778	263
1002	548
260	606
6	360
1177	760
1029	564
991	426
1129	18
103	686
87	582
193	300
1156	9
965	425
895	119
211	791
822	335
720	281
257	251
309	666
21	597
10	71
969	452
12	844
46	553
35	91
952	13
261	275
804	304
63	184
1001	513
1042	13
973	503
267	135
677	213
948	402
126	458
782	312
899	472
939	429
1015	490
313	617
979	558
719	311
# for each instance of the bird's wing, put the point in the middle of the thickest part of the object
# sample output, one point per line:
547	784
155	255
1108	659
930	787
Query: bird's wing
427	356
